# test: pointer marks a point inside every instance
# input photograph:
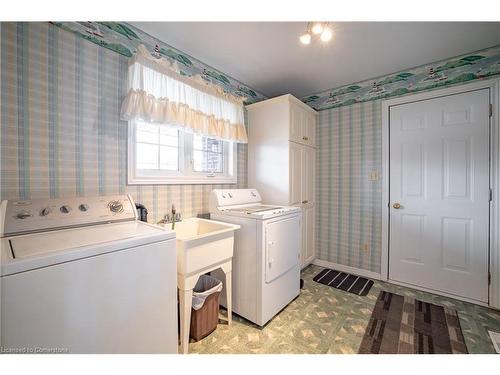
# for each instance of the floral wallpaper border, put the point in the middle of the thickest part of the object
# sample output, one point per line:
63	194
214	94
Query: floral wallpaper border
477	65
124	39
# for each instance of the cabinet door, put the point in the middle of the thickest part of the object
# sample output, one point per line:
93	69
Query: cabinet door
309	129
308	157
308	236
296	120
296	176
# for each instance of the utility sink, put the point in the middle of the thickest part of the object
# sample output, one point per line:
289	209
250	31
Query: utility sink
202	244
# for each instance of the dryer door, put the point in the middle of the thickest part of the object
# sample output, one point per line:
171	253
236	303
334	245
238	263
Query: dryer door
282	246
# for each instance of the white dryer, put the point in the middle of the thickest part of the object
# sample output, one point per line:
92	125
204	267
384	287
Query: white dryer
266	258
82	275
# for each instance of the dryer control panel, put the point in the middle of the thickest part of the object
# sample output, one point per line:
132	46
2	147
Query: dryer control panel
24	216
231	197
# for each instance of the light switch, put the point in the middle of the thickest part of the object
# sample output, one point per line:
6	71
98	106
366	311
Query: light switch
374	176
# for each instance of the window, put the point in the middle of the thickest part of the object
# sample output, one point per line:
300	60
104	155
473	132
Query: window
208	155
159	154
157	147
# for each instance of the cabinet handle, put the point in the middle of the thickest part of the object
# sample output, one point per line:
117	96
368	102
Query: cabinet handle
304	202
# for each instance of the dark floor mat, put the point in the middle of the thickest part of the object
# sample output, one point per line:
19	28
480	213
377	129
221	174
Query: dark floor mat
405	325
344	281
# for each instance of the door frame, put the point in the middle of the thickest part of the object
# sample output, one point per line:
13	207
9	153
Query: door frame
494	237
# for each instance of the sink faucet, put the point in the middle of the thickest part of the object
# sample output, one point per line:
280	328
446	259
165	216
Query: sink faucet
173	216
169	218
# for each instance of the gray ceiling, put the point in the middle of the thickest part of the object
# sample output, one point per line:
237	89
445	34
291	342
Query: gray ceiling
268	56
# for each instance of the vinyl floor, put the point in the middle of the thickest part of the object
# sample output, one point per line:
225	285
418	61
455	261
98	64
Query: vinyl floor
327	320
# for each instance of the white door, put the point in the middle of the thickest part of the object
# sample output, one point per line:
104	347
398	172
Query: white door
439	177
282	246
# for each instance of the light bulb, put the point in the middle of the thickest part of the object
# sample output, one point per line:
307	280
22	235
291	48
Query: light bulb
317	28
326	35
305	38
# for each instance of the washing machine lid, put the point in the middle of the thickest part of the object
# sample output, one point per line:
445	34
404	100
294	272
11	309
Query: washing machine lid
37	250
49	242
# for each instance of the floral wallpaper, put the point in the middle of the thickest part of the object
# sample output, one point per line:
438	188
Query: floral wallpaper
124	39
477	65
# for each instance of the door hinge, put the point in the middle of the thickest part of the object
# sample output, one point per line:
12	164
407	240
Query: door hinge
491	109
491	195
489	278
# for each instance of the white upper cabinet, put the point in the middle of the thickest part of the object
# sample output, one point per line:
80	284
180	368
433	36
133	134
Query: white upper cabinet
302	175
296	178
309	129
296	120
302	124
282	159
281	150
308	156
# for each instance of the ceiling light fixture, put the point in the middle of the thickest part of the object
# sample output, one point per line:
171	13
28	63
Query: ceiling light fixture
322	29
326	35
317	28
305	38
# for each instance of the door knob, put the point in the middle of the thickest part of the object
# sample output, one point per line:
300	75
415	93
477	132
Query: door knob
397	206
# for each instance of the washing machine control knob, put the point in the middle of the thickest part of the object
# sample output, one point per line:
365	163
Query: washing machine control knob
45	211
83	207
65	209
23	214
115	206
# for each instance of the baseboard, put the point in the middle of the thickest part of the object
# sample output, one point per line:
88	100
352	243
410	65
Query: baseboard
347	269
306	264
377	276
439	293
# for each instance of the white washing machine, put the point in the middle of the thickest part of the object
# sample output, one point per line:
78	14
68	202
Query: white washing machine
82	275
266	259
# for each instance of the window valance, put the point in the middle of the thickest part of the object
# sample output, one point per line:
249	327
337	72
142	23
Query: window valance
158	93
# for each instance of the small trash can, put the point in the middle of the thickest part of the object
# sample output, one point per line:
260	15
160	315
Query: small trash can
205	307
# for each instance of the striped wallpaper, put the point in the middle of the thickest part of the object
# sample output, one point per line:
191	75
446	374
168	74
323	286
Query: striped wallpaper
349	221
60	129
61	136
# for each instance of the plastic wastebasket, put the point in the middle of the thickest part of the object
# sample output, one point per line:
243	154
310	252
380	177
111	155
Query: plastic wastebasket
205	307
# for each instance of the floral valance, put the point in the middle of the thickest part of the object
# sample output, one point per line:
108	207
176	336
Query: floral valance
158	93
